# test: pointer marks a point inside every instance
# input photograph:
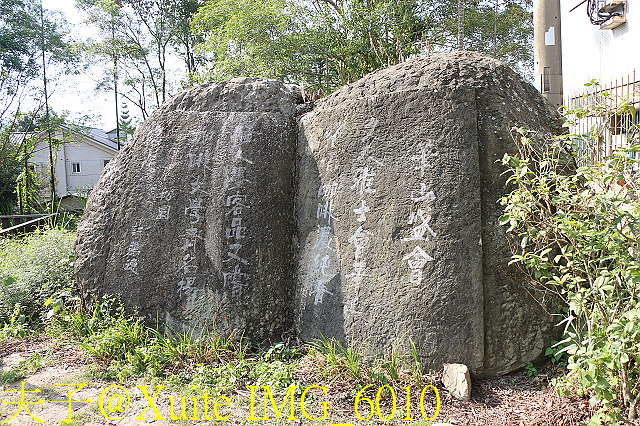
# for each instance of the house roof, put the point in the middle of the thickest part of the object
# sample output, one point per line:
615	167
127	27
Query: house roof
98	136
17	138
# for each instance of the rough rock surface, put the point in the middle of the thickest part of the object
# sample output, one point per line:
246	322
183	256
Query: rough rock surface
192	222
397	214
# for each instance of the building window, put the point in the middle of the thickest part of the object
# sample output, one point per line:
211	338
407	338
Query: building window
546	79
75	168
41	170
104	163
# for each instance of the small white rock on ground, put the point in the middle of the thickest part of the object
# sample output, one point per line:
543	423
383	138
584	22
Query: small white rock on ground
457	380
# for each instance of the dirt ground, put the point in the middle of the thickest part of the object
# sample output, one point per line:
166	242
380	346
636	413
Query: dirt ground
64	386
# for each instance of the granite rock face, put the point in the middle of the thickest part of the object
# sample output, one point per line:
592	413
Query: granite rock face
372	219
192	222
397	214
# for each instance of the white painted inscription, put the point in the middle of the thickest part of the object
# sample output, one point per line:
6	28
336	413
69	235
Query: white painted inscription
163	212
363	180
323	250
159	200
416	260
324	211
423	158
420	218
421	226
323	239
235	277
360	239
194	213
132	254
366	168
361	211
424	195
322	264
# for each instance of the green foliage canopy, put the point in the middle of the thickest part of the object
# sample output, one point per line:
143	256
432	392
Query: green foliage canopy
24	36
326	44
136	40
329	43
502	29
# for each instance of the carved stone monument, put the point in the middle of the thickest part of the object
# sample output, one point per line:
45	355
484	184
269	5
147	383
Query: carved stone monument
192	222
397	212
393	235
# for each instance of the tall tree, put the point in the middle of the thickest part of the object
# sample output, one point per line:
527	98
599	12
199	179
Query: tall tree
185	40
27	188
21	33
326	43
126	126
108	17
142	34
18	140
151	18
460	24
502	29
46	106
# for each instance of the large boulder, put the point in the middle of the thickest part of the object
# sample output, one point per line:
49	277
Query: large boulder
393	237
397	215
192	222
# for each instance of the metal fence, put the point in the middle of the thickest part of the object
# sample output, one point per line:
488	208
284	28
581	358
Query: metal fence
22	223
607	117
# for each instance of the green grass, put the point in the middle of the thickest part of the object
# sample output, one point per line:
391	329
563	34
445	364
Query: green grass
32	269
23	369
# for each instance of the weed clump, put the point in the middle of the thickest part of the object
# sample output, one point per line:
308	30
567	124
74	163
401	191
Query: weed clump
33	268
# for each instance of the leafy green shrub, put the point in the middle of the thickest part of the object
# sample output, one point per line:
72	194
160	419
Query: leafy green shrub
275	374
282	352
578	230
32	269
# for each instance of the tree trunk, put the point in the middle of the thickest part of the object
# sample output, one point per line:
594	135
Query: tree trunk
495	30
460	25
115	84
46	104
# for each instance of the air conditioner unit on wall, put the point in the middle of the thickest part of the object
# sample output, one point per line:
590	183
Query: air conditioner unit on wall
613	12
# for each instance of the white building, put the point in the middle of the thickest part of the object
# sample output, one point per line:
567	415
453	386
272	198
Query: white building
79	156
607	52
